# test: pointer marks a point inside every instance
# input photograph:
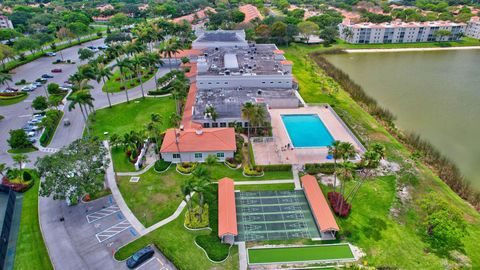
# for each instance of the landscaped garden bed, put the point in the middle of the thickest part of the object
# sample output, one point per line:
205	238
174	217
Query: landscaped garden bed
51	122
186	167
12	98
251	171
161	165
18	180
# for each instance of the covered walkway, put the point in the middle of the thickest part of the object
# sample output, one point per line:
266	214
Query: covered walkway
227	213
318	204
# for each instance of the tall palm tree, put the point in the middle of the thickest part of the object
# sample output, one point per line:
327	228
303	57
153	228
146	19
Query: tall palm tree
259	116
123	65
5	78
370	160
347	173
175	119
179	92
187	189
154	60
169	48
156	121
137	64
248	110
211	113
20	159
336	153
103	72
201	181
3	167
82	99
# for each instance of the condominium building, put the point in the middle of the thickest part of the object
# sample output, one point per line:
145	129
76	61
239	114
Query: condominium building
473	28
5	22
400	32
230	72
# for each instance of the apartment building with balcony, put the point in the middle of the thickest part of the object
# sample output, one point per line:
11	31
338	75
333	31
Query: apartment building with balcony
473	28
399	32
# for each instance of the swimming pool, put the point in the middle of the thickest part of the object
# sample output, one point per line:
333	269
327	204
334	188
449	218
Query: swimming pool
307	130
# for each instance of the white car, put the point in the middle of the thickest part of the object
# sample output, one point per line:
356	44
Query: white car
50	54
27	88
65	88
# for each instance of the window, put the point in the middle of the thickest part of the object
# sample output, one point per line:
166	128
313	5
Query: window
214	125
206	125
220	155
223	124
176	155
198	155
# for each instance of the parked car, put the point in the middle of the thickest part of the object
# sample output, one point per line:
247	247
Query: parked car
66	122
12	89
92	48
47	76
32	140
50	54
56	70
65	88
27	88
67	85
102	47
140	257
38	116
41	80
37	84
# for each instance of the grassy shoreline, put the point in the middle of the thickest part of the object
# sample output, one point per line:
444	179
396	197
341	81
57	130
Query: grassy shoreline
398	236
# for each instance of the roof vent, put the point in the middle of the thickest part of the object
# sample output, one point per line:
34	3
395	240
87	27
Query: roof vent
181	127
199	131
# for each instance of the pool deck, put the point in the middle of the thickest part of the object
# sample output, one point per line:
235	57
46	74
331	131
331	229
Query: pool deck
272	153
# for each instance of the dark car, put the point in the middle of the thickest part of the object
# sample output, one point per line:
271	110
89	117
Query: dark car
140	256
56	70
41	80
12	89
47	76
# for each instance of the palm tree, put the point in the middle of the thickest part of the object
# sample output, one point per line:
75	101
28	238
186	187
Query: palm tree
259	116
123	66
3	167
211	113
334	150
137	63
114	140
103	73
248	110
347	173
153	61
82	98
154	126
201	181
179	93
5	78
187	189
169	48
370	160
175	119
20	159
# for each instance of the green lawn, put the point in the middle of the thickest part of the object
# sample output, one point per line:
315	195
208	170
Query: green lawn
6	102
155	197
177	244
465	41
386	239
31	252
288	186
125	117
299	254
114	86
221	170
120	161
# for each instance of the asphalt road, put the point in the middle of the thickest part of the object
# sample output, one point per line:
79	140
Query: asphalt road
17	115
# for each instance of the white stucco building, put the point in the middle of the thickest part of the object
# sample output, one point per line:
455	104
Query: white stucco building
399	32
473	28
5	22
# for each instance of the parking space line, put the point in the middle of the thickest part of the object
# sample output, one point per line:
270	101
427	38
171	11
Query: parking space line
112	231
102	213
145	263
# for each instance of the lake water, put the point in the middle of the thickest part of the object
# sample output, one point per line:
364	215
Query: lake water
435	94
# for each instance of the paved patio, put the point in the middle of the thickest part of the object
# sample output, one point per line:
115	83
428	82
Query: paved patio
272	151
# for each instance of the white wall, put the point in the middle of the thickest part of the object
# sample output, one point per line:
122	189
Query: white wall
190	156
232	81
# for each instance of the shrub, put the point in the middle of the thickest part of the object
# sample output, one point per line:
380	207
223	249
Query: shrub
186	167
333	198
276	168
161	165
17	186
22	81
26	176
162	91
231	163
216	250
18	139
325	168
255	171
50	122
192	219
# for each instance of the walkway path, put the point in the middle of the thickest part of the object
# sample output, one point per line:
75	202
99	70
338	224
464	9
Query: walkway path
242	256
296	178
112	184
144	170
264	182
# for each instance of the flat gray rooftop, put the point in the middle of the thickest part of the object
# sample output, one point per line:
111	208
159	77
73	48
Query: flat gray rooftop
259	59
228	102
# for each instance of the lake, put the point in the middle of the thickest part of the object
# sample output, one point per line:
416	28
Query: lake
435	94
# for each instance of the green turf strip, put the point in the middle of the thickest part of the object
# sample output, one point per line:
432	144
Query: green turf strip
300	254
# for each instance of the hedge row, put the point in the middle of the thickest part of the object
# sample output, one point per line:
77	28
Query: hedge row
55	116
276	168
325	168
8	96
162	91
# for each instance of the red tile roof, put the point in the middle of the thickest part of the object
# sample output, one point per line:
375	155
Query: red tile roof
320	209
188	110
278	51
251	13
227	212
199	140
201	14
185	53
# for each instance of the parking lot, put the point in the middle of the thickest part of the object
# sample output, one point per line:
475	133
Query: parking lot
96	230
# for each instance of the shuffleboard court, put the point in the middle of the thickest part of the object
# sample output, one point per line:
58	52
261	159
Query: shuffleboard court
317	253
274	215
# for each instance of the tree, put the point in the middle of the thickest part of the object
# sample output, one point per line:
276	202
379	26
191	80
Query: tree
187	189
5	78
137	66
329	34
85	54
40	103
53	89
179	92
20	160
336	153
7	34
123	65
82	99
103	73
279	31
6	52
3	167
237	16
74	171
78	29
18	139
175	119
26	44
169	48
118	20
443	226
201	180
307	29
211	113
262	31
211	160
441	34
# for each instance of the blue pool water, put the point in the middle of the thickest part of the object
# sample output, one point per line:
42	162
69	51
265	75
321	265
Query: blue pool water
307	130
